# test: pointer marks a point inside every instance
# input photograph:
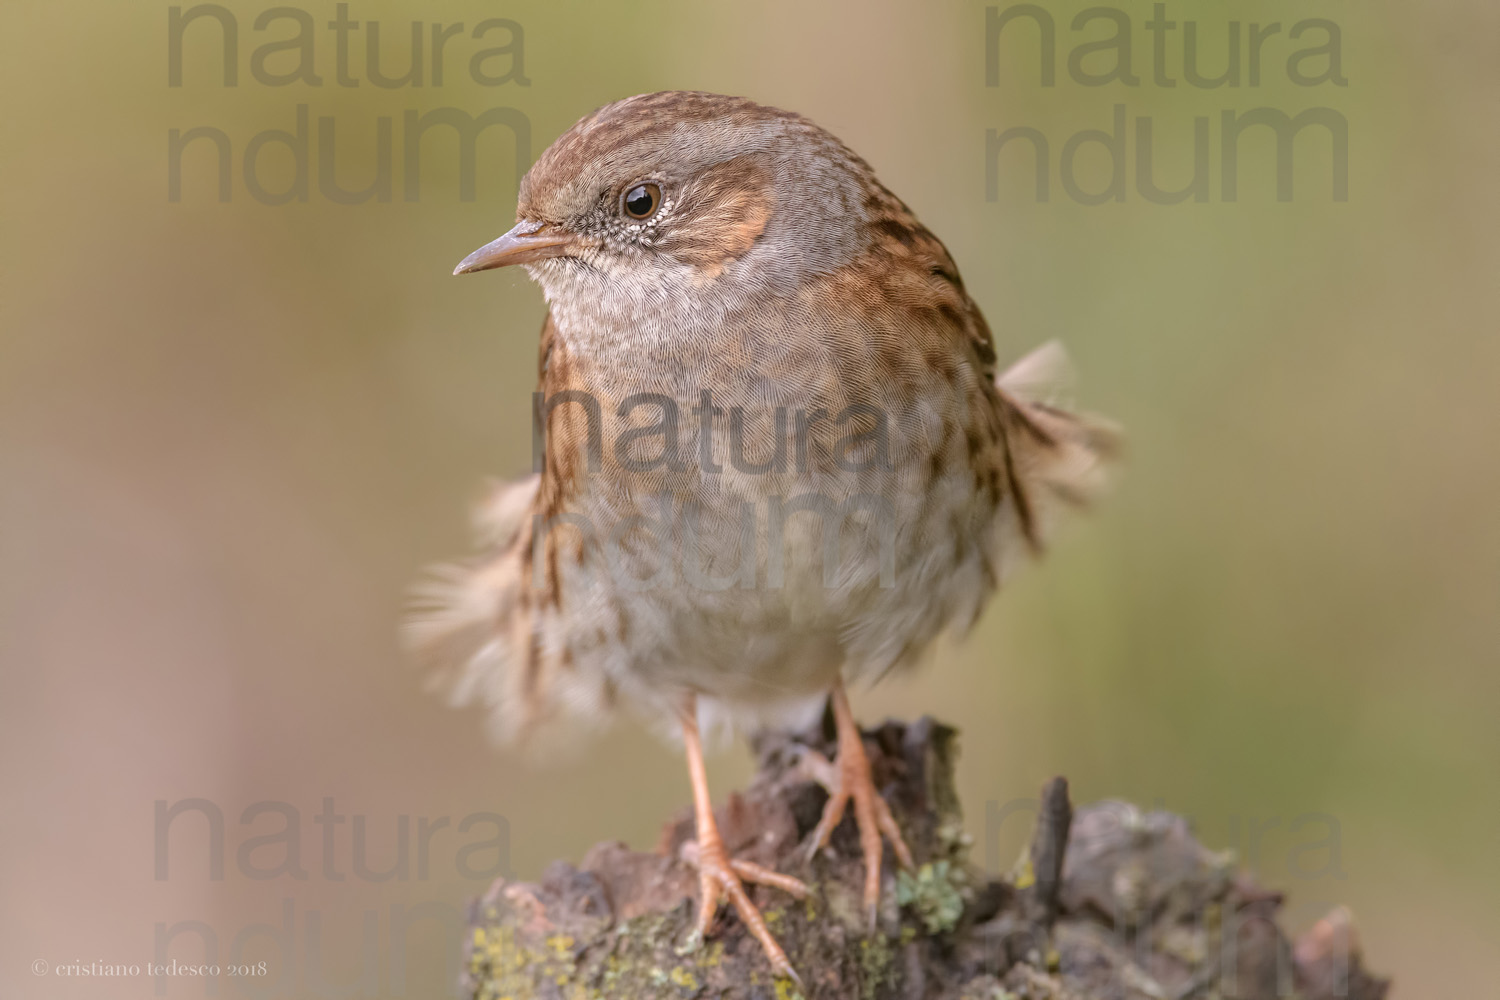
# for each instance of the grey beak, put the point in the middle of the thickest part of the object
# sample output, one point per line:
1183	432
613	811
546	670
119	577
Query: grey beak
528	241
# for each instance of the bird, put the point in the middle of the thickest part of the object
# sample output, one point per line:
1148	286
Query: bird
778	457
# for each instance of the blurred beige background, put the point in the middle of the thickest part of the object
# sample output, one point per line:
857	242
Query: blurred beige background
231	433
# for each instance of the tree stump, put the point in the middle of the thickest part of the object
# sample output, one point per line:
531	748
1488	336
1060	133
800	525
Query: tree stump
1110	903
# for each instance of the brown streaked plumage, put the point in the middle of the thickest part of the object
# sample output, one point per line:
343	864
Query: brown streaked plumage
861	481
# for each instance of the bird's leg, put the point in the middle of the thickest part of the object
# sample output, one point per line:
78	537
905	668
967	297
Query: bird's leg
718	873
850	779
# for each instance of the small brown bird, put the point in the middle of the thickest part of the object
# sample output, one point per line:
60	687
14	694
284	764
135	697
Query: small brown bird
778	457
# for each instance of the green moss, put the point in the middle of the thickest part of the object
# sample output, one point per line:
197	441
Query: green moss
954	841
935	894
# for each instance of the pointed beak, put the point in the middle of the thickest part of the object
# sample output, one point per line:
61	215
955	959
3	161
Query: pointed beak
528	241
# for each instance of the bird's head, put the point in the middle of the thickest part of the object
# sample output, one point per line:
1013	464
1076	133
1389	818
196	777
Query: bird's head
681	195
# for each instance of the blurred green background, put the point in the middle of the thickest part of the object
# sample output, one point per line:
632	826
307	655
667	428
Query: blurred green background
232	432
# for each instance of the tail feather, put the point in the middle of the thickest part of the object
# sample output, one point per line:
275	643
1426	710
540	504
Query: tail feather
1055	458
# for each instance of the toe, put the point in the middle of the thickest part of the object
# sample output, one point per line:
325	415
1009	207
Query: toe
749	871
833	813
892	832
708	902
721	877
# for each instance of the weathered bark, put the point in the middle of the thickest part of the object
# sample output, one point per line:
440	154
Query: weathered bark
1110	904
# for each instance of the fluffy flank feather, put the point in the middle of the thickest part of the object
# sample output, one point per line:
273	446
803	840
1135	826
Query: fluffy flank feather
459	621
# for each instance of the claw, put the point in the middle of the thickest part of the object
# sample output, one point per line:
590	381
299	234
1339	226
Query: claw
850	780
721	876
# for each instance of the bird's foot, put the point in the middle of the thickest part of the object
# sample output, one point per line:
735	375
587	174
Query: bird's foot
719	876
849	780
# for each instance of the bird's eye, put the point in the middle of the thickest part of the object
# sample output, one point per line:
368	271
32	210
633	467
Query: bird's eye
642	201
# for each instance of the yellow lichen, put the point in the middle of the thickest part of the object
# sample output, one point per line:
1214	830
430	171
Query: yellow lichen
875	966
1025	874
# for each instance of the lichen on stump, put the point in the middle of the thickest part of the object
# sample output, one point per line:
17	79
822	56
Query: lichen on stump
1107	904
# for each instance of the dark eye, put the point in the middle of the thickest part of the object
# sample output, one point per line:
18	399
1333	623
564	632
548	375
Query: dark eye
642	201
